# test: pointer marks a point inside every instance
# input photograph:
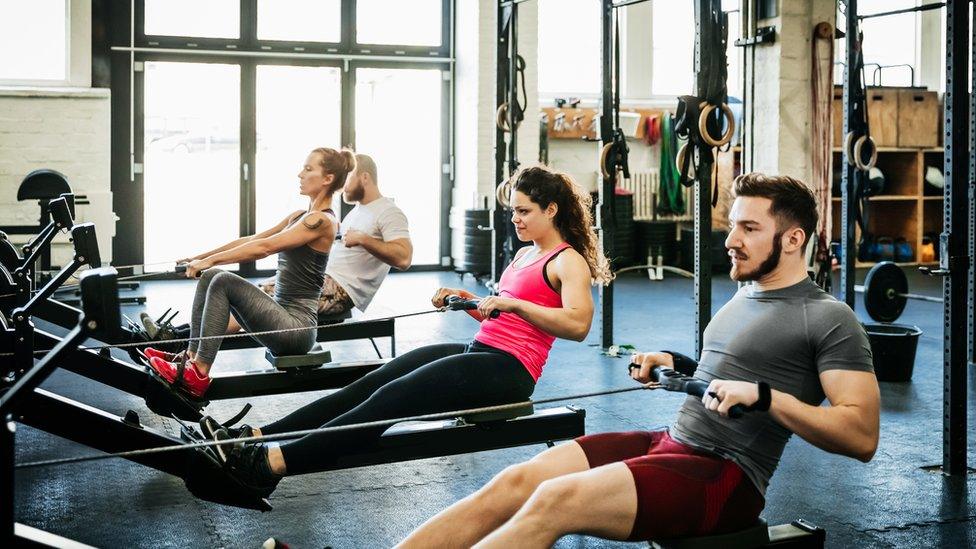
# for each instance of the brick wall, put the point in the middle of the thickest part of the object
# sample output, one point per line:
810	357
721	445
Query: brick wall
62	129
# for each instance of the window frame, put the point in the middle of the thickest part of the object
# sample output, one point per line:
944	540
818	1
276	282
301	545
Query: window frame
248	41
248	53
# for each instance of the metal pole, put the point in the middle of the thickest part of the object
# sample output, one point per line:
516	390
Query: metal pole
703	187
499	223
606	221
954	261
847	178
972	207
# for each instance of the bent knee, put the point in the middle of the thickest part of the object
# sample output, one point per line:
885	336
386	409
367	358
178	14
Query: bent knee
211	273
518	478
555	493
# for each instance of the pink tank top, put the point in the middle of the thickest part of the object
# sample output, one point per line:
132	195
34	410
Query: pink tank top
510	332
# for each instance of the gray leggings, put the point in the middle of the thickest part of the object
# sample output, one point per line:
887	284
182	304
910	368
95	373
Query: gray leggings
219	292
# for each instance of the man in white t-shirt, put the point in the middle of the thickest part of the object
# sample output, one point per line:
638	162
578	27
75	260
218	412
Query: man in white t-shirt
375	237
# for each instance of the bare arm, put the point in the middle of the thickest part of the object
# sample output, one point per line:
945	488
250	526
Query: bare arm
573	319
244	239
395	253
850	426
314	226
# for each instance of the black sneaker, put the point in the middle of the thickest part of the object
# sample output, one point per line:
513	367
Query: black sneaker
248	463
213	430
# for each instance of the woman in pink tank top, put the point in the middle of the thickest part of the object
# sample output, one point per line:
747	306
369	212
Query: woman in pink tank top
543	294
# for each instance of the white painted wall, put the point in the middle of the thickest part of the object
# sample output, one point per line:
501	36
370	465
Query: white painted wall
67	130
64	128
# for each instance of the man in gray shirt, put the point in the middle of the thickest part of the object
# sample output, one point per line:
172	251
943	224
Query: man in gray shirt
778	347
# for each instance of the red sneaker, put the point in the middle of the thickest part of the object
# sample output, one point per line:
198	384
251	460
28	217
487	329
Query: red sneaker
149	353
183	375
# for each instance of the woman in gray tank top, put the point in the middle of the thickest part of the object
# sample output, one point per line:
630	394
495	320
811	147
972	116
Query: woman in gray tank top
302	242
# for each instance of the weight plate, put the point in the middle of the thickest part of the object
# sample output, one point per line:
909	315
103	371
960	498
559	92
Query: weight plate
475	222
884	289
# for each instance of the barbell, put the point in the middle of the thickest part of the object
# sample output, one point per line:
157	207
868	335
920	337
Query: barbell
886	292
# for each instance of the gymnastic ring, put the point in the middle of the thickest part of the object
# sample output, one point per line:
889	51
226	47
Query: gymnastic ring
680	160
502	192
848	141
604	156
501	117
703	125
858	147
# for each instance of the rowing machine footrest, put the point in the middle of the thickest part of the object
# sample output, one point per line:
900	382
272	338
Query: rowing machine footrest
501	415
756	535
314	358
337	318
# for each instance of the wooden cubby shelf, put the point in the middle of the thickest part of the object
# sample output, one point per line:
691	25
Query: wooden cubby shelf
908	209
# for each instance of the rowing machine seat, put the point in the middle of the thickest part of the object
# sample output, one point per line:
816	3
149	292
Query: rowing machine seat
756	535
314	358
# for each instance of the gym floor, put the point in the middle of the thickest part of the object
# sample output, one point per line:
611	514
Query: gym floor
890	502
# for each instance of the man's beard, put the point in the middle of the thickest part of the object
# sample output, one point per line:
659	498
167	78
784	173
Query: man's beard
352	196
767	266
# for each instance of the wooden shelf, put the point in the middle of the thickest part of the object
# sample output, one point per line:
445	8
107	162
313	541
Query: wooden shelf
905	213
899	149
886	198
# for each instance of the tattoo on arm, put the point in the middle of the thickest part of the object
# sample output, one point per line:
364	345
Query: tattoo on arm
312	224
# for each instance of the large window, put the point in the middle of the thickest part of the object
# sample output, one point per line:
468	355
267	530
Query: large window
40	27
298	109
210	19
299	20
569	47
192	154
657	48
230	96
890	43
673	43
407	153
410	23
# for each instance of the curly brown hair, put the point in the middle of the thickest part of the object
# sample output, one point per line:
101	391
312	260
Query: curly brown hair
573	219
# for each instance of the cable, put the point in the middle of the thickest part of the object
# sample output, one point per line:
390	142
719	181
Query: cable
333	429
241	334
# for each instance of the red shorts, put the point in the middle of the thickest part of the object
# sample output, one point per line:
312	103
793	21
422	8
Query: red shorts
681	491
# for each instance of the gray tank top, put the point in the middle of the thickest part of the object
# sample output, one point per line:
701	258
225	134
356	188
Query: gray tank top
298	281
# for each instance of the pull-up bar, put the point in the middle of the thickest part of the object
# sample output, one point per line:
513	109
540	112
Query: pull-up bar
622	3
923	7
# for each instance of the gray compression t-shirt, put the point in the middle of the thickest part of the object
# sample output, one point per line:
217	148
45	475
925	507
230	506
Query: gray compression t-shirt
784	337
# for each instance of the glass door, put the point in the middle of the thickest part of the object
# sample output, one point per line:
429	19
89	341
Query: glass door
398	122
299	108
192	157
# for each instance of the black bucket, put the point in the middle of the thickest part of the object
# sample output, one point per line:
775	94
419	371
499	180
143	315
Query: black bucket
893	347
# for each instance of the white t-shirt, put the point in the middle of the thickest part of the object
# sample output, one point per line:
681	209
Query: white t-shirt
359	272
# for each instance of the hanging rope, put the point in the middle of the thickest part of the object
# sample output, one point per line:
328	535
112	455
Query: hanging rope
821	146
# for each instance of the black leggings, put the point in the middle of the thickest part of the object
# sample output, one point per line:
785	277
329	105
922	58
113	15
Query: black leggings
431	379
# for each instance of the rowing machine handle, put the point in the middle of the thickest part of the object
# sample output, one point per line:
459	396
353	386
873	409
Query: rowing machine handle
697	388
458	303
672	380
181	269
